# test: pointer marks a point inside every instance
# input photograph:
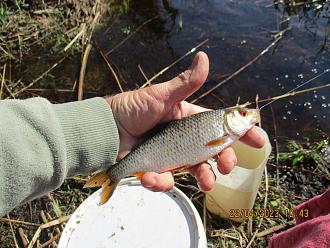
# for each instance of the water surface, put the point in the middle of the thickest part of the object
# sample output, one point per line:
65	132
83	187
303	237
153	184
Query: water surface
237	31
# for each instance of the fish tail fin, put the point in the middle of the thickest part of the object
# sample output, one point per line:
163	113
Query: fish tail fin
108	185
107	190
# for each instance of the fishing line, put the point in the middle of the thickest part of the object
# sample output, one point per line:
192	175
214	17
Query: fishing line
299	86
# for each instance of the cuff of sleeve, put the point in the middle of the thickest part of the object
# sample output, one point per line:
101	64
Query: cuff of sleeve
91	135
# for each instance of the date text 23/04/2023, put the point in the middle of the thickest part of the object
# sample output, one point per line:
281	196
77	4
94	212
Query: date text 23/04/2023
267	213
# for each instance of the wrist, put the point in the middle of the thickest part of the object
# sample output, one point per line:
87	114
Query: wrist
91	134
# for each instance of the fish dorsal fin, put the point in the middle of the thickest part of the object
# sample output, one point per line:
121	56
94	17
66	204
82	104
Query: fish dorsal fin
217	142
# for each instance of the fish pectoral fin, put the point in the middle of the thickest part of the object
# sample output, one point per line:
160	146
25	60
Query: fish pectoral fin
107	190
217	142
138	174
97	180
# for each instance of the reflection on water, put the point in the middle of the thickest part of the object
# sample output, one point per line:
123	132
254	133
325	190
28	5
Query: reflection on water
237	32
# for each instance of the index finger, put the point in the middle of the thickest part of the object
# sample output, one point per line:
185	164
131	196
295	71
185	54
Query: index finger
253	138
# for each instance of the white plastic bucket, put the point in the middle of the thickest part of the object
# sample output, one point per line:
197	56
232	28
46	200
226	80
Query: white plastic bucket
234	194
135	217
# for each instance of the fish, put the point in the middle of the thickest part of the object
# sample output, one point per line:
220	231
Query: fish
181	144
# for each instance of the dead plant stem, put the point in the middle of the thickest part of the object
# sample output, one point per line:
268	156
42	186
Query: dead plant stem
82	72
18	222
131	34
12	231
106	60
75	38
142	72
294	93
51	240
172	64
274	229
86	52
3	80
40	77
234	74
265	206
276	147
47	225
23	237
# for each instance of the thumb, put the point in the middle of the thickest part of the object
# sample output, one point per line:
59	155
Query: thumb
189	81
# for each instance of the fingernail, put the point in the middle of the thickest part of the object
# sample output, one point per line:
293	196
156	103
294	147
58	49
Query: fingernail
231	164
151	183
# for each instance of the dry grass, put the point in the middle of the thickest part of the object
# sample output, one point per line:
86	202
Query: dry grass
36	24
42	221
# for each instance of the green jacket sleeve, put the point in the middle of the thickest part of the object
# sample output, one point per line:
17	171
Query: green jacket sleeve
42	143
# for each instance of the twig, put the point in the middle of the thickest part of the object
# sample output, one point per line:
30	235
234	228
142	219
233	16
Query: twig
40	77
51	240
47	225
19	222
82	71
174	63
7	53
92	26
45	220
12	231
274	229
7	88
294	93
56	229
219	233
131	34
276	147
108	64
181	173
20	48
23	237
191	187
250	227
3	80
238	100
83	29
142	72
239	70
265	206
86	55
204	214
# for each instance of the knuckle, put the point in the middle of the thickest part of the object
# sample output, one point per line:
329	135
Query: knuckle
184	76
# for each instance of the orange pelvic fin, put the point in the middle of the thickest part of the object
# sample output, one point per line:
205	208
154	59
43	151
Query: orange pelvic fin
217	142
97	180
138	174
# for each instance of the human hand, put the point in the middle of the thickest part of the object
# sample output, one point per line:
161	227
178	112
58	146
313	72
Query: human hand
136	112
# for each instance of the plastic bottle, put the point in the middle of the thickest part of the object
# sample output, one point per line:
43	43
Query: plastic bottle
234	194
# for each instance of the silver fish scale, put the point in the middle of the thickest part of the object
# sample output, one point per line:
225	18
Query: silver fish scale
182	142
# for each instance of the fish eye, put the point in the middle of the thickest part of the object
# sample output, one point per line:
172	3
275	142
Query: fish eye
243	113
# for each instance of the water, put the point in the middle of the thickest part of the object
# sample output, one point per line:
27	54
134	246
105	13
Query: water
237	32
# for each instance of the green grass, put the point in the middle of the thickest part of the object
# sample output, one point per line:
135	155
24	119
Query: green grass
3	13
307	154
